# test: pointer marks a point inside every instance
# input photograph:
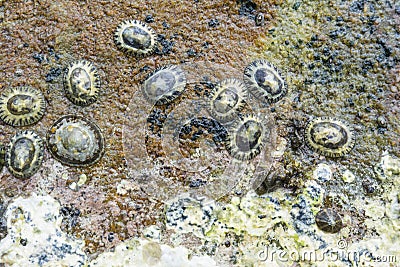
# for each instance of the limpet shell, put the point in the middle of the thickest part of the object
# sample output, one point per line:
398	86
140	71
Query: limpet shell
329	221
330	137
2	156
82	83
24	154
135	37
21	106
75	141
227	99
247	138
164	85
264	81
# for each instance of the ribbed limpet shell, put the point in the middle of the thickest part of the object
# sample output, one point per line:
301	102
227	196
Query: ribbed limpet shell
164	85
24	154
264	81
75	141
247	138
21	106
329	221
81	83
330	137
227	99
135	37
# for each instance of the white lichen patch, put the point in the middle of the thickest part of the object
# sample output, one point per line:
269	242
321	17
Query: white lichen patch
34	236
251	215
189	215
323	172
143	253
348	176
125	186
388	167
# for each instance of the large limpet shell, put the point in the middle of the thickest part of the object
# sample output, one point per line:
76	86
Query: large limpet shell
330	137
21	106
329	221
135	37
247	138
24	154
264	81
164	85
75	141
82	83
227	99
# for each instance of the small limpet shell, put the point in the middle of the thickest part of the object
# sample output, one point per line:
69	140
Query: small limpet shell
81	83
21	106
135	37
247	138
24	154
227	100
164	85
264	81
329	221
330	137
75	141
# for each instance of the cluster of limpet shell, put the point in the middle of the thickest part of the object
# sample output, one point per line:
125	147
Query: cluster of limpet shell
227	99
24	154
75	141
329	136
81	83
135	37
164	85
21	106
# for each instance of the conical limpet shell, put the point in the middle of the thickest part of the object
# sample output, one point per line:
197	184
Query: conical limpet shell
330	137
21	106
264	81
24	154
227	99
135	37
164	85
81	83
75	141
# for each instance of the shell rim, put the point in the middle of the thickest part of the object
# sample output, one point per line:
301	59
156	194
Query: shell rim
97	132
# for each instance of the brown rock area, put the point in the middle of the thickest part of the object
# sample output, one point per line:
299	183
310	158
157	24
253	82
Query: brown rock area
39	38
